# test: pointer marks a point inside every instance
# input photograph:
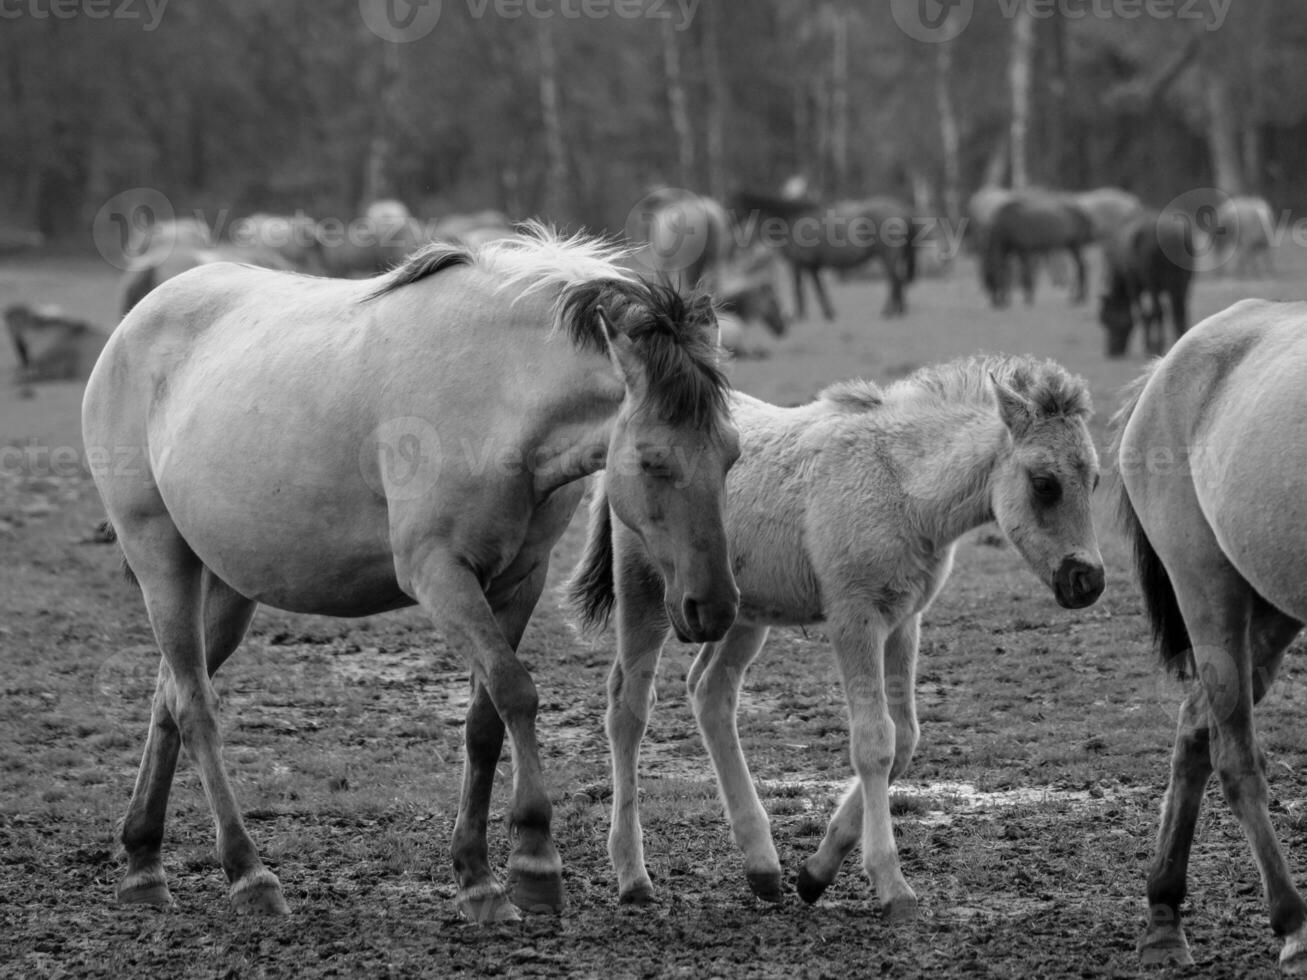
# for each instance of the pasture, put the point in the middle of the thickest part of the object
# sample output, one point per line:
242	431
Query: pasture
1025	823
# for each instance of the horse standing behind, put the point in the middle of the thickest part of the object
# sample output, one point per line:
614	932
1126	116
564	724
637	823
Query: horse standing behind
814	237
167	261
1148	259
846	512
1244	226
320	446
1219	534
1025	228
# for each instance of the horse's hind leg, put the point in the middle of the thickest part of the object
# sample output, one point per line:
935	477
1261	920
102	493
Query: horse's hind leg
226	617
1081	289
173	583
641	632
827	309
714	683
894	303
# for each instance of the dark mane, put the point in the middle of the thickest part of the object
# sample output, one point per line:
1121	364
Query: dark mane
425	262
673	334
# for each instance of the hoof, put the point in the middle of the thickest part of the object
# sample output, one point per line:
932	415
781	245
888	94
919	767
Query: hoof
1293	958
900	910
146	888
766	885
259	894
486	904
641	893
1166	947
810	886
535	892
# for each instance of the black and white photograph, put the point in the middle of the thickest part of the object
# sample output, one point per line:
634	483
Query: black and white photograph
653	488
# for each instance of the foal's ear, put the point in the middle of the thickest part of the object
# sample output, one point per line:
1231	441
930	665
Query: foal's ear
1015	409
620	348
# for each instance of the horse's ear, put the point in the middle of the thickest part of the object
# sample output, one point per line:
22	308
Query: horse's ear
1015	409
620	348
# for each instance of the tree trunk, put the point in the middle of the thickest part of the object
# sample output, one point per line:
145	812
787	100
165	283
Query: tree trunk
377	177
556	174
1019	77
1252	158
1223	134
718	98
948	131
676	105
838	22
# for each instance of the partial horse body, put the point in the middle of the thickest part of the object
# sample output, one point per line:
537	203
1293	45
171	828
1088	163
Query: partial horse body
846	512
1149	258
1029	226
474	229
844	235
1108	208
320	446
1219	539
1244	228
170	259
51	346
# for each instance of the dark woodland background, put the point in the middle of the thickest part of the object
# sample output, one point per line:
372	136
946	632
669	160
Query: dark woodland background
277	105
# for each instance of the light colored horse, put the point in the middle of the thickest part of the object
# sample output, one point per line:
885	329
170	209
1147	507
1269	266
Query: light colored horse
1212	495
347	448
1108	208
1245	226
845	511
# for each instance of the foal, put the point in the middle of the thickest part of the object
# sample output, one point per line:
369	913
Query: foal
846	511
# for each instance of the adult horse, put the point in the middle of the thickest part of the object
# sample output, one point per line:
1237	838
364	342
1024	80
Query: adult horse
813	237
846	511
51	346
320	446
1218	540
1149	258
1028	227
1244	228
1108	208
168	259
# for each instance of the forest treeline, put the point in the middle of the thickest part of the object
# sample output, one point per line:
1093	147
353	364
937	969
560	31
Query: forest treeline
277	105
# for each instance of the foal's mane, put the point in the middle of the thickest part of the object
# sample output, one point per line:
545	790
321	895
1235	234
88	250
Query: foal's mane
673	335
1053	390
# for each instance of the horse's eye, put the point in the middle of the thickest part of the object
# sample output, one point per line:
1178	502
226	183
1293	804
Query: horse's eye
1046	488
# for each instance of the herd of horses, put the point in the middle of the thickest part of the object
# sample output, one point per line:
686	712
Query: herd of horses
269	406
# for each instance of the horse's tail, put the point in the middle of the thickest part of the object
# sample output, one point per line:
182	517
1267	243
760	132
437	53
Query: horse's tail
1170	635
138	284
591	591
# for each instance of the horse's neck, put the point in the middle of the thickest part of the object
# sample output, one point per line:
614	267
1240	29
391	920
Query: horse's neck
571	440
948	471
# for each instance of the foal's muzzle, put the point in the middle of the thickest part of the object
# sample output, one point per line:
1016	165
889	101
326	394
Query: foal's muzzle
1078	583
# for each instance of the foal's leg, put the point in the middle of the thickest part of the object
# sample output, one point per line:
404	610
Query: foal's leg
227	615
845	827
642	630
714	683
174	583
448	588
481	898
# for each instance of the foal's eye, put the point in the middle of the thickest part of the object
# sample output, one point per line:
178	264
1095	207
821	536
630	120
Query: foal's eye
1046	488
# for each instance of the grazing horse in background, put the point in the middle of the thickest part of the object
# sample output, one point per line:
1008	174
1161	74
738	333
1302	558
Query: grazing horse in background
1029	226
1108	209
300	445
845	235
690	241
1148	258
165	261
474	229
1244	226
51	346
1219	542
846	511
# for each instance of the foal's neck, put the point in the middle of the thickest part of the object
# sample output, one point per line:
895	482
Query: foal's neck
949	482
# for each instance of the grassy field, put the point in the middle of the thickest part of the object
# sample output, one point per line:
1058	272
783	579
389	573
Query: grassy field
1025	823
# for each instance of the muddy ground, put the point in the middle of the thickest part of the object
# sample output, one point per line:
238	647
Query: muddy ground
1025	824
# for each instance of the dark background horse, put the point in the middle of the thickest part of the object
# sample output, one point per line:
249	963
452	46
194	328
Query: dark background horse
1147	258
1026	228
812	237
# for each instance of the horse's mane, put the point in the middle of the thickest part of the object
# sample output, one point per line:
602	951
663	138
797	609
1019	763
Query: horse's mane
673	335
1053	390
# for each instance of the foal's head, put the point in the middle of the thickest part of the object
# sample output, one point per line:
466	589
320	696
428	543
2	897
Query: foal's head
671	444
1041	485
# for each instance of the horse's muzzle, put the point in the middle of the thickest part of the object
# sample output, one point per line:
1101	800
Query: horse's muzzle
1078	583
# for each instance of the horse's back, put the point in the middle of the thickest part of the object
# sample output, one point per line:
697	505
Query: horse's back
1227	412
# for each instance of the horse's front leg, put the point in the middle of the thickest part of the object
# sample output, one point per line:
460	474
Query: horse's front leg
1082	285
714	682
1027	265
859	639
827	308
449	590
845	827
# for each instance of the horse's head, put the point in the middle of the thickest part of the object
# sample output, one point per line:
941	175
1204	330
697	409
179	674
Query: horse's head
1041	486
747	288
671	444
